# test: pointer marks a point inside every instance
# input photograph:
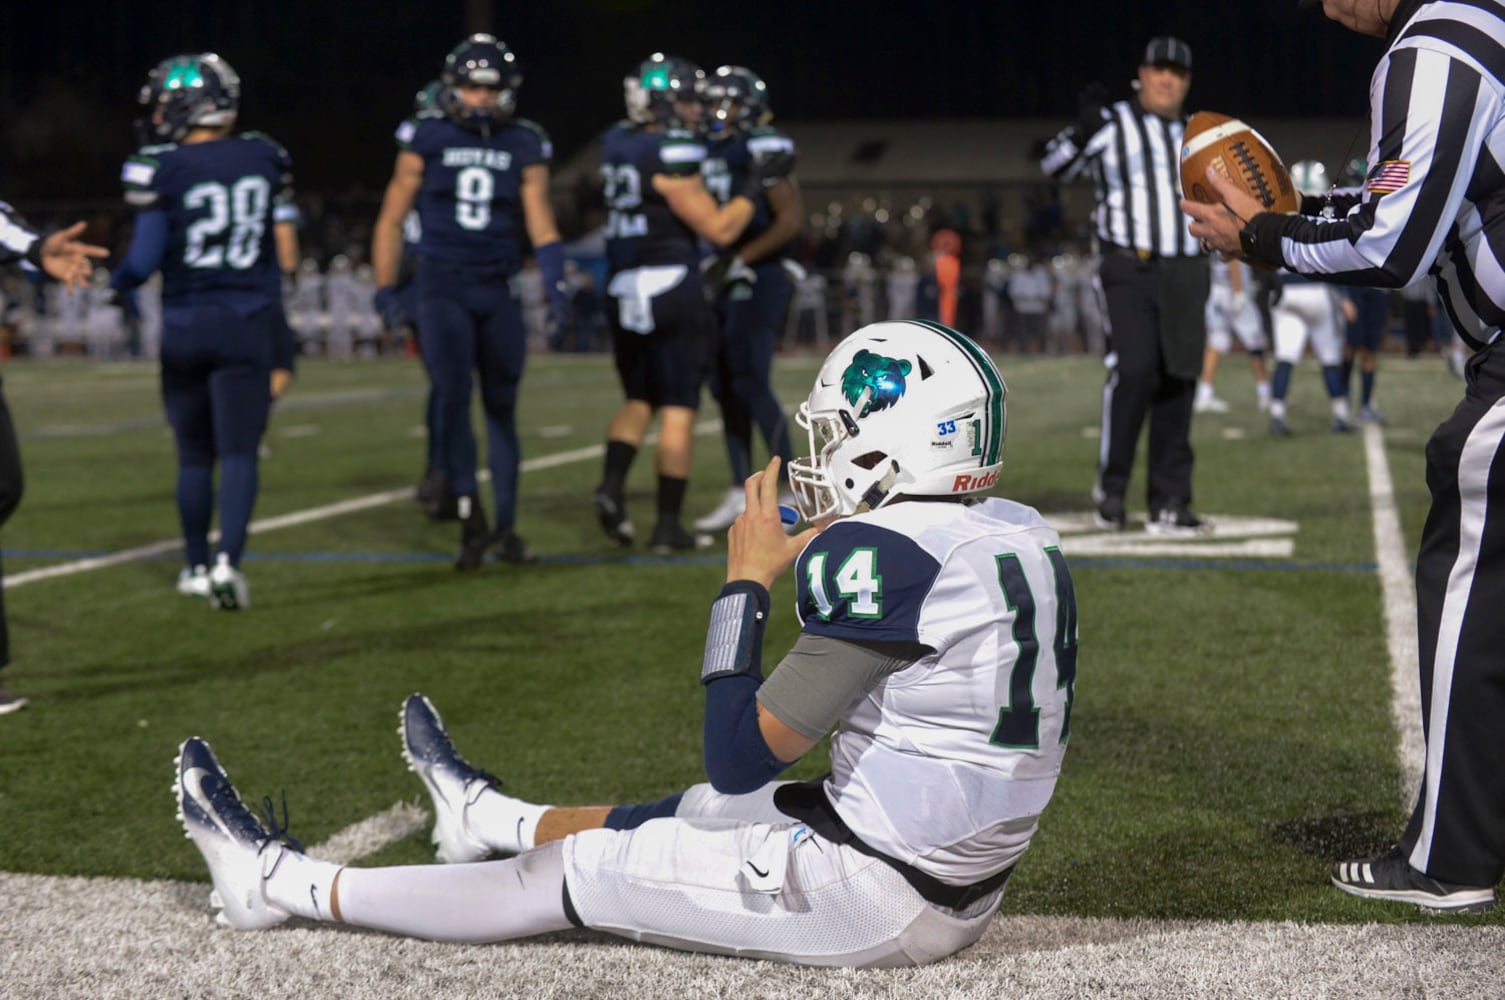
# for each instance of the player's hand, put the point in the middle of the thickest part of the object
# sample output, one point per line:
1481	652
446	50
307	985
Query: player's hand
1218	226
1349	310
757	548
772	166
767	169
389	307
722	272
280	379
68	259
1091	106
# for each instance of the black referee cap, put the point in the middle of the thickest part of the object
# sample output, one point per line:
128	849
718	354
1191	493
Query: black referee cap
1167	50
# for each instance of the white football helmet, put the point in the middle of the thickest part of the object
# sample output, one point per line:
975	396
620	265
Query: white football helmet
906	407
1310	177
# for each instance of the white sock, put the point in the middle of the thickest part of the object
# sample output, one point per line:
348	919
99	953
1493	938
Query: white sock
1262	392
487	901
1278	409
301	885
1340	408
502	822
1204	391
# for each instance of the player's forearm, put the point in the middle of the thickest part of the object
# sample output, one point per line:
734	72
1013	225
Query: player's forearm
386	250
16	239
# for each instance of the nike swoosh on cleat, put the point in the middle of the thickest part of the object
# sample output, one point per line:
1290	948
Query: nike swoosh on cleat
757	871
193	780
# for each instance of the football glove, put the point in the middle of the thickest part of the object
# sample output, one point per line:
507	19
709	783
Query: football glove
1092	110
389	306
720	271
766	170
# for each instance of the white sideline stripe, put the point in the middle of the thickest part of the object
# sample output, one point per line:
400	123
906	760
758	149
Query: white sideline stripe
301	517
1399	594
365	838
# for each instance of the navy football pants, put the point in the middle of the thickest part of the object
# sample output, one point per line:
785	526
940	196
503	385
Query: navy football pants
749	318
216	388
472	324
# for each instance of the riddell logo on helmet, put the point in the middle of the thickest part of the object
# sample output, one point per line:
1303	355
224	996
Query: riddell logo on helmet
971	484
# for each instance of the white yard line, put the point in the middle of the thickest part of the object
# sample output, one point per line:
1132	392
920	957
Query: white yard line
1399	593
301	517
365	838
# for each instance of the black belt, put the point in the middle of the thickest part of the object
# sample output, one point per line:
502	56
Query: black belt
806	801
1143	256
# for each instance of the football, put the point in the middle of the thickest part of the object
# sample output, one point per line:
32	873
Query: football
1239	153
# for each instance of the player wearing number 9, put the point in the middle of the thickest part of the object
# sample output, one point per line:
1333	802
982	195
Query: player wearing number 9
215	215
479	178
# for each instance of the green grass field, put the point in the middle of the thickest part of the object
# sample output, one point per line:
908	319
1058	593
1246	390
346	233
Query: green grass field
1231	733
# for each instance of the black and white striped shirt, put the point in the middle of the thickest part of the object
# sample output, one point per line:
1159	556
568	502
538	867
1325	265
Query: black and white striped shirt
1134	159
16	239
1434	199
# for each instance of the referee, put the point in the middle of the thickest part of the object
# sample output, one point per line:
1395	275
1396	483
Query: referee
62	257
1154	278
1433	202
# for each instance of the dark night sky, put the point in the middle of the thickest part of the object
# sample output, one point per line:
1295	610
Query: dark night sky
331	79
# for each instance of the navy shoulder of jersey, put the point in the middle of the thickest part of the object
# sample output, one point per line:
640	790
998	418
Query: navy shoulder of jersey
408	127
861	582
139	173
545	145
680	153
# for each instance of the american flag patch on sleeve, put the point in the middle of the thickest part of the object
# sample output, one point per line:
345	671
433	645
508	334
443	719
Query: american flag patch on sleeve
1388	176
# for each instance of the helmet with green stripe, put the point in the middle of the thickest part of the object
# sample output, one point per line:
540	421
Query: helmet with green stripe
664	90
906	408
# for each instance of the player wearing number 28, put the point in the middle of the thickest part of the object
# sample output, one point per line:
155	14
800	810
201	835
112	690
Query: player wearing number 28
938	648
479	177
215	215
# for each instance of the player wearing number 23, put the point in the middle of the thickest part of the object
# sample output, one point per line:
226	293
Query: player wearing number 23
215	215
479	177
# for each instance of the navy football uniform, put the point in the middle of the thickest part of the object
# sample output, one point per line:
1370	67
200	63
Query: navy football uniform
658	315
206	218
748	317
472	223
221	199
469	206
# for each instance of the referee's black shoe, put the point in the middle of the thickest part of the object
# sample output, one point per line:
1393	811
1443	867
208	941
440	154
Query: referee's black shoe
1390	876
1110	514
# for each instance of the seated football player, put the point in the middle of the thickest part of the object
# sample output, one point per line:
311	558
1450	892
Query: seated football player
939	643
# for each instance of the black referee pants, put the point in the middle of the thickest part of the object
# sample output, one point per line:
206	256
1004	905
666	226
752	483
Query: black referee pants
1457	831
10	498
1156	332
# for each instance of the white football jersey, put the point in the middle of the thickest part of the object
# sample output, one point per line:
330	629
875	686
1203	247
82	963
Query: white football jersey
947	764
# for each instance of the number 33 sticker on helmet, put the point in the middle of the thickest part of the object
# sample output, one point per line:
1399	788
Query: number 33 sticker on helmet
909	408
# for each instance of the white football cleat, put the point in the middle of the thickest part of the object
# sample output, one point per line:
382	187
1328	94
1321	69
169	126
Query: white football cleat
241	853
727	511
452	783
194	581
227	585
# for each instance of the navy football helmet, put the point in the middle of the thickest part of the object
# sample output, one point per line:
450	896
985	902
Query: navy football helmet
485	62
736	100
657	85
185	92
